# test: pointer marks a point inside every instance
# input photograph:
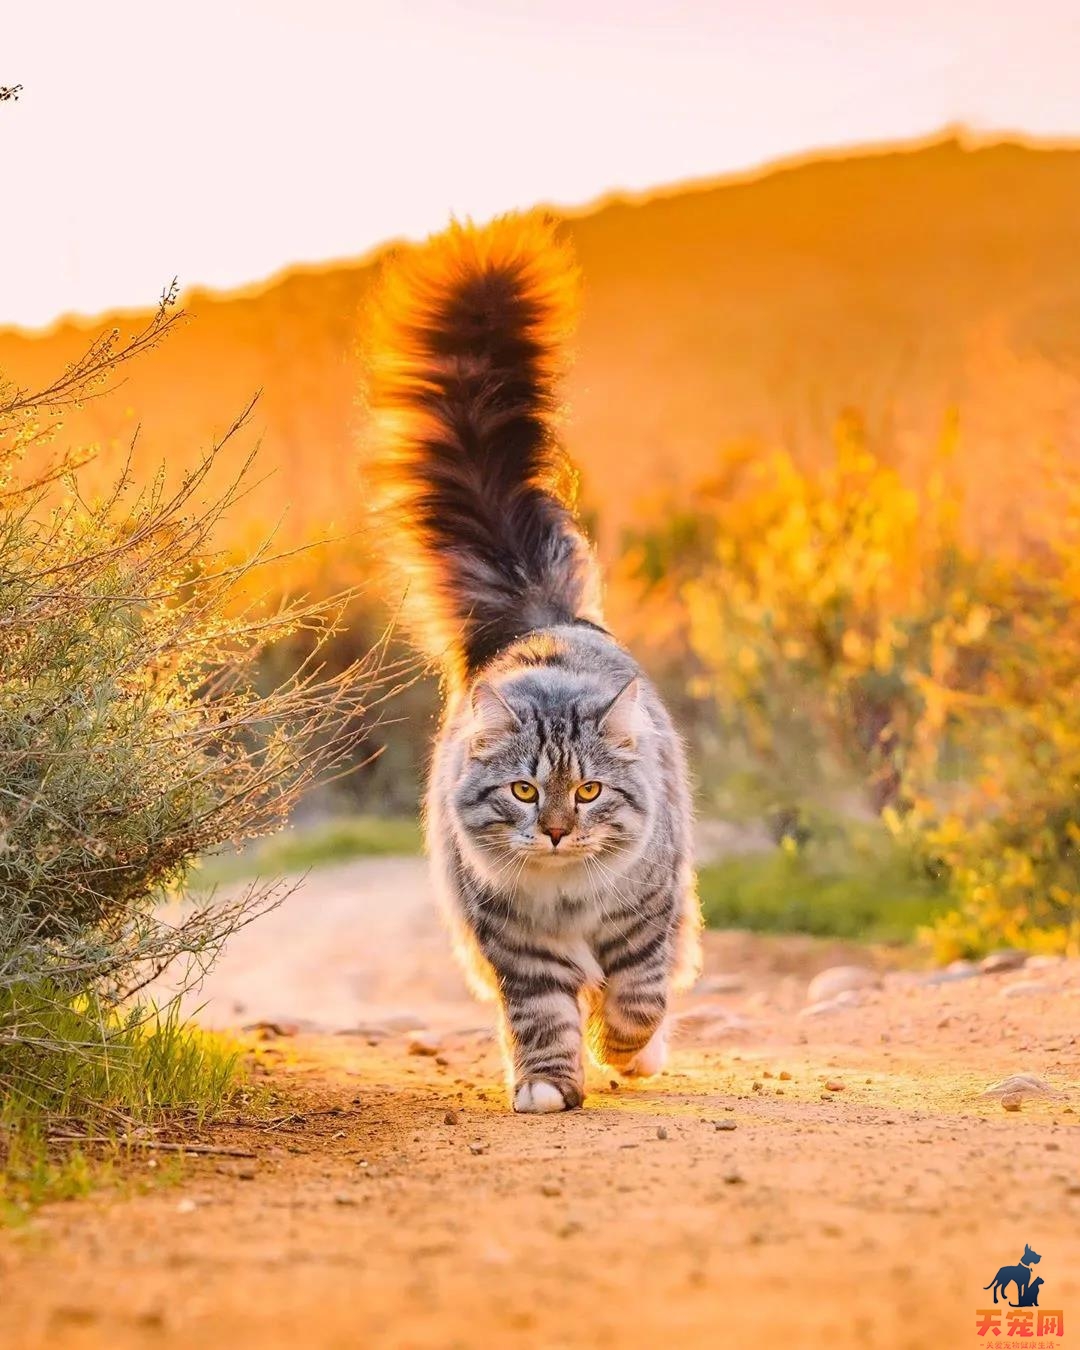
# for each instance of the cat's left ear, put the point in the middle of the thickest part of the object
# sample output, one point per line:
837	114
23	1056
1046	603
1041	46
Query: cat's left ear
624	719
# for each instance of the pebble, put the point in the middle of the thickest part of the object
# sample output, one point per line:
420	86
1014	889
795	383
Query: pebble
477	1148
661	1132
720	984
998	962
841	980
959	970
1044	961
424	1043
829	1005
187	1206
733	1179
550	1188
344	1198
785	1077
450	1118
834	1085
724	1125
1012	1101
1019	1085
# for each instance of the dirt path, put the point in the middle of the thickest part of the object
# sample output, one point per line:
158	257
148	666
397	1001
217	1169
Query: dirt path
400	1205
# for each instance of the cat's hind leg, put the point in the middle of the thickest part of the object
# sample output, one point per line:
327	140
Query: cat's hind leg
627	1028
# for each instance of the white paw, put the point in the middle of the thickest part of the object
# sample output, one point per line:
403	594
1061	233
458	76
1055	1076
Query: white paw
651	1058
537	1098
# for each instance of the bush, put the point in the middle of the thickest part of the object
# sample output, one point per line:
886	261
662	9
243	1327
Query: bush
135	735
847	633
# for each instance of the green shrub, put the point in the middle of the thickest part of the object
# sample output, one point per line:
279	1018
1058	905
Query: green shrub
136	735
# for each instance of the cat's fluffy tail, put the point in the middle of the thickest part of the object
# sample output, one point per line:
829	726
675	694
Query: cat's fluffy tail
468	342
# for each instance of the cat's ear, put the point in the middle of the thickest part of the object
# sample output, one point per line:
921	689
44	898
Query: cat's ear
624	719
492	718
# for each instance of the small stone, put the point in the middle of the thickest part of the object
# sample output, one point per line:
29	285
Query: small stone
613	1084
1020	1085
834	1085
1012	1101
785	1077
570	1227
344	1198
958	970
450	1118
841	980
733	1179
720	984
423	1043
724	1125
758	1086
661	1132
550	1188
767	1073
998	962
477	1148
442	1061
246	1174
186	1206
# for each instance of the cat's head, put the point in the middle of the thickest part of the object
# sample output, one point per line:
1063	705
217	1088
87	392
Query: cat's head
555	775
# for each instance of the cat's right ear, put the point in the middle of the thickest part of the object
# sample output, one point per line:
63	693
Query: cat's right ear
492	719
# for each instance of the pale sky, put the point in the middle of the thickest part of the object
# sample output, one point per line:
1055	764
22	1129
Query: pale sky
220	140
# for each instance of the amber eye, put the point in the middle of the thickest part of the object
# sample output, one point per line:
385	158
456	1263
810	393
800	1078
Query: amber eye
588	792
524	792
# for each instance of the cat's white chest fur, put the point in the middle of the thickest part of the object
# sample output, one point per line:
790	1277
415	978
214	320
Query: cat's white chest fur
565	925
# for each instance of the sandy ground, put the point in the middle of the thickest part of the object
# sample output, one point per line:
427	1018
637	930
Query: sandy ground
390	1199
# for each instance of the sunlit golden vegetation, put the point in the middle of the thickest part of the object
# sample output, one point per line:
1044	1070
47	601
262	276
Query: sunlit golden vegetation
851	639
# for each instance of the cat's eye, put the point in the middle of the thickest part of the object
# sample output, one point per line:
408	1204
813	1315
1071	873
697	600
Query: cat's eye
588	792
524	792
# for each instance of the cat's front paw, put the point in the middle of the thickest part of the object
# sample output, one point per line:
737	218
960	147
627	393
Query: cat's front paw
538	1097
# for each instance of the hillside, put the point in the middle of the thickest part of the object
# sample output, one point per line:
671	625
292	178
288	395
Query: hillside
905	284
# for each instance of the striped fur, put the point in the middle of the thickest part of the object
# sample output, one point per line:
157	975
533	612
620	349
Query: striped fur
577	915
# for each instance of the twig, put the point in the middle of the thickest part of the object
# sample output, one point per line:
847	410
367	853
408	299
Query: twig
158	1145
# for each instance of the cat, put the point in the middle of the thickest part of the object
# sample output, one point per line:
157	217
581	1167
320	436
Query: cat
557	816
1030	1297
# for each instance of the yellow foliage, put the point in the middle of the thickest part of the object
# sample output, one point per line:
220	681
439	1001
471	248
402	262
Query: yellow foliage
838	606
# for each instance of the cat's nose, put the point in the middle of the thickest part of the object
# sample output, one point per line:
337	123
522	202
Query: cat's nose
554	833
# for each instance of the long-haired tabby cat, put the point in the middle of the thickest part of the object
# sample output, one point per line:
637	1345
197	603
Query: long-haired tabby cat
558	818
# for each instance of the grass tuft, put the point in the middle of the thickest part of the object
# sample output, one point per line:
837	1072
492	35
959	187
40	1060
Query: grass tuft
862	889
300	849
77	1068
